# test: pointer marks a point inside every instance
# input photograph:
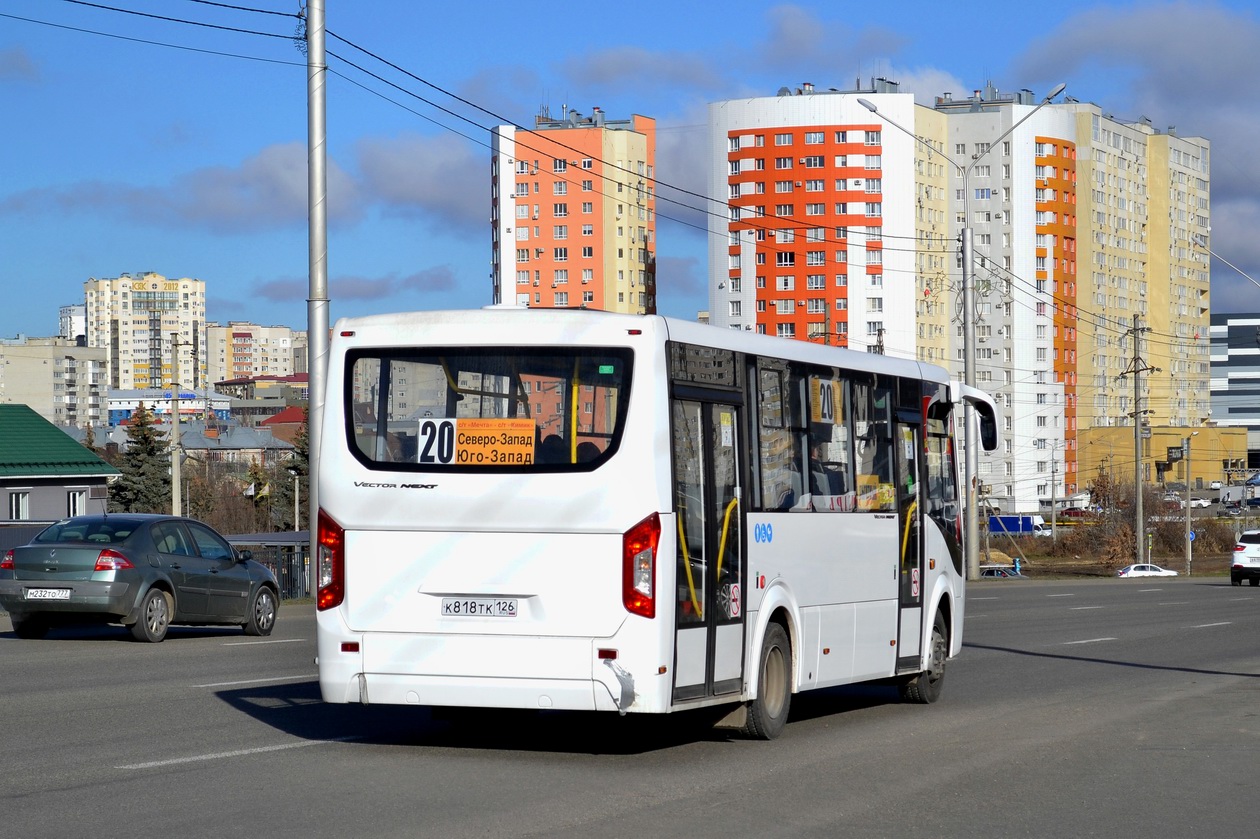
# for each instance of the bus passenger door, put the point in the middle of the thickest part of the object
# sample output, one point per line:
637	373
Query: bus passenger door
910	578
709	619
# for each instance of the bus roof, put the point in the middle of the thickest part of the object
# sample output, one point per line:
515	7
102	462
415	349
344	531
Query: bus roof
504	324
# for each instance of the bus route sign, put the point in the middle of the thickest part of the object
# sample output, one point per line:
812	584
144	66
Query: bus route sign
494	442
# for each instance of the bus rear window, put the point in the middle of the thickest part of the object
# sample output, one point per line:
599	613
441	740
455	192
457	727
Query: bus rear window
514	409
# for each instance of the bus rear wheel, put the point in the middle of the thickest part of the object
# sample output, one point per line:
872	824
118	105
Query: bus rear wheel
925	688
767	714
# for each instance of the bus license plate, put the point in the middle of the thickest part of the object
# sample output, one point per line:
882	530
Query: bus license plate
48	594
478	607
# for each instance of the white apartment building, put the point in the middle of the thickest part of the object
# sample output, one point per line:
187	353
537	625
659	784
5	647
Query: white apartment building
812	221
829	222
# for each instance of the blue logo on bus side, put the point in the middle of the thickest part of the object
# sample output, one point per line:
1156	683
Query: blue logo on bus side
763	532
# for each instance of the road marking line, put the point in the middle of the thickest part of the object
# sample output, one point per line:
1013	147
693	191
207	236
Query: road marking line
257	681
1082	608
1089	641
153	764
276	641
1174	603
1150	589
988	598
1206	625
1060	595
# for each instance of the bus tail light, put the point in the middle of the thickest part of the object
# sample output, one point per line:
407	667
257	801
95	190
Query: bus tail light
638	555
332	563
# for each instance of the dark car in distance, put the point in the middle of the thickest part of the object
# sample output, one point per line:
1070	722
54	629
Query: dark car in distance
143	571
1001	572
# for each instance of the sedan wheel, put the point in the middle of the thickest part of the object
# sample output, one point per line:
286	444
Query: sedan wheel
155	617
262	613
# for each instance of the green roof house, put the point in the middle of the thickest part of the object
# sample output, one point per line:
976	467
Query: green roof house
44	474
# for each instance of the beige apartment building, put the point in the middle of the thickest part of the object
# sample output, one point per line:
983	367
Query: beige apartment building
244	350
61	381
139	319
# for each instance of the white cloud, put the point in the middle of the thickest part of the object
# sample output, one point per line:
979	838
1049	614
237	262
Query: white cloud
1189	65
445	179
631	65
265	192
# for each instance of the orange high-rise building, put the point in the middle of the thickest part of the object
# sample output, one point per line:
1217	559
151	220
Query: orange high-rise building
574	213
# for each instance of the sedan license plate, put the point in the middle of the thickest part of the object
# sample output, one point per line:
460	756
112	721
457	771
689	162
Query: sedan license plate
479	607
48	594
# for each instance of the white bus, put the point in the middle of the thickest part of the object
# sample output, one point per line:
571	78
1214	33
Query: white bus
581	510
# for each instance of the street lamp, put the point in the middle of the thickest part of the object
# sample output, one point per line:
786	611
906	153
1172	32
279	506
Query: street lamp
972	462
1189	509
1201	241
176	476
297	489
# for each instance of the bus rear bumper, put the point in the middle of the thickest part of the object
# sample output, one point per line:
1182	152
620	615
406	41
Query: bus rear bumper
521	673
471	692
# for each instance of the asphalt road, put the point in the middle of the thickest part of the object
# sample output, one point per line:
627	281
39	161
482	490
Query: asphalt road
1093	708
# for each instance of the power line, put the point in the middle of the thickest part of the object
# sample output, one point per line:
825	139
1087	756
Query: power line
167	19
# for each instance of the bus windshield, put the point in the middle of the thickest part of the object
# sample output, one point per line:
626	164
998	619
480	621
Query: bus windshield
457	409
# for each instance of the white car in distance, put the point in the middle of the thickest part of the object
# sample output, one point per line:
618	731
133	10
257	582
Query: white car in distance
1144	570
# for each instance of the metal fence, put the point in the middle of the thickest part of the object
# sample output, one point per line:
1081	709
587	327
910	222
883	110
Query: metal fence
290	566
286	553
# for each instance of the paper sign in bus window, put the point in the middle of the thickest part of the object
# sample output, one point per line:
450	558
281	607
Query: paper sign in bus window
476	442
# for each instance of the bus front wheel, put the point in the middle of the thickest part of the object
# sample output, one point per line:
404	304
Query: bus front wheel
767	714
926	687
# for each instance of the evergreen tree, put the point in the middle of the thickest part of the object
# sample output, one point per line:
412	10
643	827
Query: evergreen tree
145	483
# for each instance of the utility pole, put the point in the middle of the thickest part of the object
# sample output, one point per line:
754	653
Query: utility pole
1054	497
1136	368
176	477
317	259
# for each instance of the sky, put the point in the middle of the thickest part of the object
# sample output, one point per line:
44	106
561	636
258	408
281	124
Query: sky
133	143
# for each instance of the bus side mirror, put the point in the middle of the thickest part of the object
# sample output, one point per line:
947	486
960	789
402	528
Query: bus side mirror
988	431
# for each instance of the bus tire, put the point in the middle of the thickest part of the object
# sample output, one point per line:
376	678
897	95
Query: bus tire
925	688
768	713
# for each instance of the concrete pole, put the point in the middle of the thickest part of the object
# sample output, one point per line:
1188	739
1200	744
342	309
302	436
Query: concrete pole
176	476
317	227
1054	497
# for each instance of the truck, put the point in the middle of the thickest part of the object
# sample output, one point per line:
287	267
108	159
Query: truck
1235	495
1033	525
1079	501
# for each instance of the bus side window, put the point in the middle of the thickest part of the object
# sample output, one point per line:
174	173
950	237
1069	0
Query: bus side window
778	444
872	432
830	443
